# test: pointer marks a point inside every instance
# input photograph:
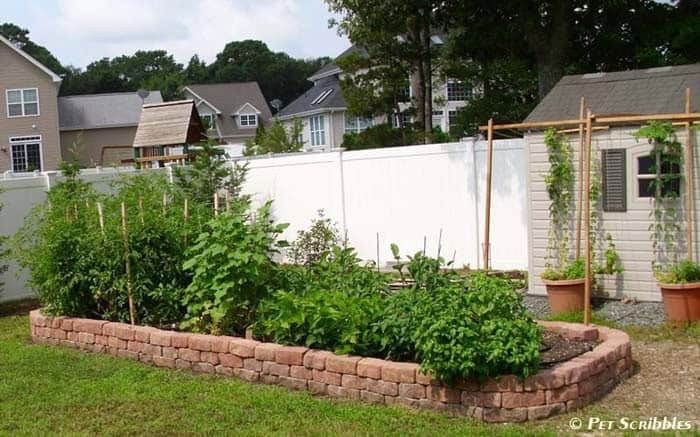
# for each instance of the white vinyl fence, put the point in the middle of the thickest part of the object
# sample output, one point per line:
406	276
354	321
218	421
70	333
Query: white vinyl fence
413	196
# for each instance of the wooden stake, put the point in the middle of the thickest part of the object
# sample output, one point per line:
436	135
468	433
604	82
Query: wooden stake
141	210
165	203
187	218
689	179
227	200
216	204
101	218
579	210
487	213
125	233
587	218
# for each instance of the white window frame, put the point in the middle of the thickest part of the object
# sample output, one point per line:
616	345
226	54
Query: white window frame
317	128
22	102
467	94
646	176
248	124
212	120
25	140
357	128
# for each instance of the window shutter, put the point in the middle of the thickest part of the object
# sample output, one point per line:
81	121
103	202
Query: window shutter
614	180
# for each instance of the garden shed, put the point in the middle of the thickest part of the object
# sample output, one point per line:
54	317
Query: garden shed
623	165
166	130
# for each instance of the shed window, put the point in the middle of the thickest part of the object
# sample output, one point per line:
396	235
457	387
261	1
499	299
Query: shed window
670	173
614	174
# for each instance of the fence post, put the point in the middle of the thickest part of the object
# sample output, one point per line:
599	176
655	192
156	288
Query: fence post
341	187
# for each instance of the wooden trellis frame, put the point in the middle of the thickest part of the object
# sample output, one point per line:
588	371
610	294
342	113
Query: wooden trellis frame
592	123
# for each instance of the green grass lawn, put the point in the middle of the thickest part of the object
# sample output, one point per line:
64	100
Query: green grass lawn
45	389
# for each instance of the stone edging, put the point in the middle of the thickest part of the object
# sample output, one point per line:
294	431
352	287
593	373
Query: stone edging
564	387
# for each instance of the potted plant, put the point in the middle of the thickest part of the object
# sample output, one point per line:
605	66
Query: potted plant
564	276
679	281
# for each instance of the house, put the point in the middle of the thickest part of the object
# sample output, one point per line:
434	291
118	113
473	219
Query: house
323	111
29	138
232	111
626	204
165	132
99	129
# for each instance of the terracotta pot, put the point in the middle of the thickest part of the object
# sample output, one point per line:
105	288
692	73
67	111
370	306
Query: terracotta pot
682	302
566	295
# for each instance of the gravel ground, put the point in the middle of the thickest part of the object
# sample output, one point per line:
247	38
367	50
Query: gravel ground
625	314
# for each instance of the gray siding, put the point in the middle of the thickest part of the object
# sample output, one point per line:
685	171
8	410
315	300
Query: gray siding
629	229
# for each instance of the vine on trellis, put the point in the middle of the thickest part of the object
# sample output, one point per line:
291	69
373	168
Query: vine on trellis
559	182
667	154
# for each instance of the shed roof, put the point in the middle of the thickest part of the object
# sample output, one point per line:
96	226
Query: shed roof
169	124
97	111
633	92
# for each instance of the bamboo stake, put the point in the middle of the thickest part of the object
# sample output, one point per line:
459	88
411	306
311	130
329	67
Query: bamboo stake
141	211
587	215
100	217
227	200
579	210
216	204
689	179
487	218
165	203
125	233
187	217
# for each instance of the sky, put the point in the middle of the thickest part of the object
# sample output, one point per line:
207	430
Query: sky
78	32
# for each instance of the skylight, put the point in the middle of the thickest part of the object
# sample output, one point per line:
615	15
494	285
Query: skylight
321	97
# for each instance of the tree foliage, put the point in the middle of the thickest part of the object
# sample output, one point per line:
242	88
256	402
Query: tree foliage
276	139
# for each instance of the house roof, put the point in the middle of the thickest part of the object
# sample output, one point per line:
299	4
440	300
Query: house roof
97	111
332	68
169	123
652	91
54	77
305	103
226	99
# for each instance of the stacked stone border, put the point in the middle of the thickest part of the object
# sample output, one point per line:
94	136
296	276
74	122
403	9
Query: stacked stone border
562	388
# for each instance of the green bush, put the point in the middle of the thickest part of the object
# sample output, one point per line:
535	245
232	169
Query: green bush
384	135
231	263
78	268
680	273
312	243
476	328
575	269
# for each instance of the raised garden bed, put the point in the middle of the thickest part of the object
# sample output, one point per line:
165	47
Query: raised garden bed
563	387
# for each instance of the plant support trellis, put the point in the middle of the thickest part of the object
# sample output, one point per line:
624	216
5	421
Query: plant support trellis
592	122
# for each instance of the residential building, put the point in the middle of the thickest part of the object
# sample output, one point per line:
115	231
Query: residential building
29	138
99	129
625	165
323	112
232	111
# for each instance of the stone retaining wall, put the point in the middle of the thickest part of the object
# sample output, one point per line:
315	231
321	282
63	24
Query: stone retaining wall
562	388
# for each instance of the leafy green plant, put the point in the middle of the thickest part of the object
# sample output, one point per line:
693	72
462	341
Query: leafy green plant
477	328
231	263
3	253
311	244
685	271
575	269
276	139
559	182
210	173
667	154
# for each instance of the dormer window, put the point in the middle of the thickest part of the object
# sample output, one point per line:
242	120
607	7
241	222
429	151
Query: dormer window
208	121
248	120
22	102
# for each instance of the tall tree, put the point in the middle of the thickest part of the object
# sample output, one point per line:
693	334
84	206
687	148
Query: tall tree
397	34
279	75
20	37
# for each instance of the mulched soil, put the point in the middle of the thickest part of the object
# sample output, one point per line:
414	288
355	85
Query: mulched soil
556	348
